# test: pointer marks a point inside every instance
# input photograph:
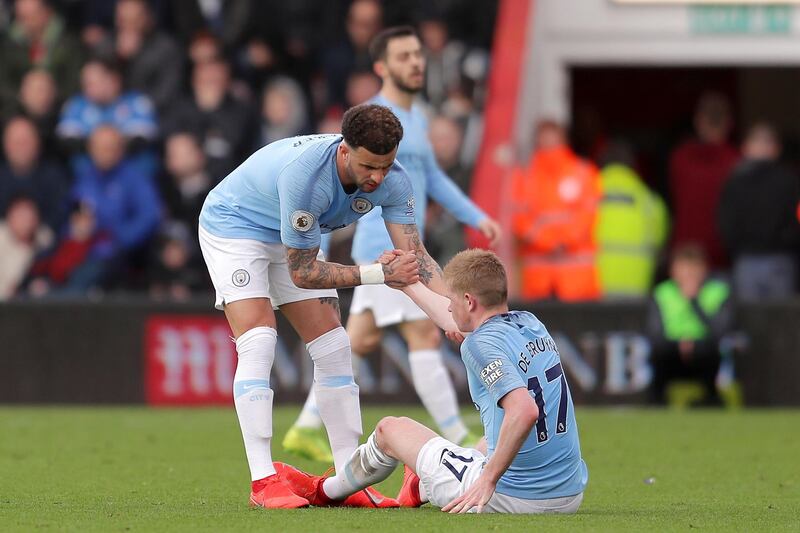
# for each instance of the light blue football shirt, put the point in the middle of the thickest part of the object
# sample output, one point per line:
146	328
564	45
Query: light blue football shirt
427	179
289	191
511	351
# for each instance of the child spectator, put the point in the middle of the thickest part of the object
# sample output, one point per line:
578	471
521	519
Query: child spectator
689	314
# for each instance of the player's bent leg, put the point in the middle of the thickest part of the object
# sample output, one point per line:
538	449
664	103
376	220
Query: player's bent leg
432	380
402	438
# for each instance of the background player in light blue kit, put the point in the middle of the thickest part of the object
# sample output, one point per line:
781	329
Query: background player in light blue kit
531	462
400	62
260	236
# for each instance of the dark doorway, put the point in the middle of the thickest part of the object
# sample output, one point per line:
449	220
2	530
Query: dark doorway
652	108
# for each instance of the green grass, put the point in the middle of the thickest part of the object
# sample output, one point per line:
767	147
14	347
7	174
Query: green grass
137	469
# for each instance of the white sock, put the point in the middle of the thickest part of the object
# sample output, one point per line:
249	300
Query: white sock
435	389
336	393
367	466
253	397
309	415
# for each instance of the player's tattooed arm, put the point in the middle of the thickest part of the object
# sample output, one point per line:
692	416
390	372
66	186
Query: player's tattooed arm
406	237
309	273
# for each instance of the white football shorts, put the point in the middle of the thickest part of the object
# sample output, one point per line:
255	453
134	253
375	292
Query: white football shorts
245	268
447	471
389	306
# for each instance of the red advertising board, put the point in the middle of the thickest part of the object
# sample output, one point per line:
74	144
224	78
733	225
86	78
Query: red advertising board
189	360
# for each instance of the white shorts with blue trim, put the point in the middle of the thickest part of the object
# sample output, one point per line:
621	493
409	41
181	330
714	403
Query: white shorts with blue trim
446	471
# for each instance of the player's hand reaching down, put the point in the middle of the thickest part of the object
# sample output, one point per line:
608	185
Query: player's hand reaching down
491	230
400	270
477	496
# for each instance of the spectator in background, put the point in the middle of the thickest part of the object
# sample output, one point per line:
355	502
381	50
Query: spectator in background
224	125
632	227
554	210
102	101
122	200
26	171
283	111
758	220
447	138
186	183
443	234
698	170
443	70
22	237
228	21
361	86
38	38
688	315
38	100
204	47
151	60
364	21
175	272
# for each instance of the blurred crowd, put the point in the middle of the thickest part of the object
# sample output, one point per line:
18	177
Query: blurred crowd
119	116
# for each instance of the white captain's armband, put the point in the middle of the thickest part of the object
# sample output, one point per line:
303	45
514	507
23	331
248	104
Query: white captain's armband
371	274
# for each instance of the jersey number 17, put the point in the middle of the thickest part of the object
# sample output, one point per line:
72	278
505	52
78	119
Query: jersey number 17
553	373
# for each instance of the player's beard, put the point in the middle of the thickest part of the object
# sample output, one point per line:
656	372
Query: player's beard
403	86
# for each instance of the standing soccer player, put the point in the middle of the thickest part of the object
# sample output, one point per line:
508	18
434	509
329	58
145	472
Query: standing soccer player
532	461
260	234
400	63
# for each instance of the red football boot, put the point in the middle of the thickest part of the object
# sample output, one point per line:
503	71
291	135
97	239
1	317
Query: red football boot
409	491
309	486
273	493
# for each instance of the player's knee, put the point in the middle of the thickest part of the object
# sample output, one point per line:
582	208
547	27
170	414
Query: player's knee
331	353
364	344
384	430
424	336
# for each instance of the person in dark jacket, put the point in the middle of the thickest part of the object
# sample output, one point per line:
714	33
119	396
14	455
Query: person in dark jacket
152	62
758	222
688	315
25	171
224	125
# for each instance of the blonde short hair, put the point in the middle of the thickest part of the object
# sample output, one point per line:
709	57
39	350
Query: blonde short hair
480	273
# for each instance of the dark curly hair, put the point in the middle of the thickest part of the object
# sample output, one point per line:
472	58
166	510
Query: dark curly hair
372	126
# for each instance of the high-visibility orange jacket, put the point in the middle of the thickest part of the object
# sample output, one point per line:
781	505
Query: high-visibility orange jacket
554	202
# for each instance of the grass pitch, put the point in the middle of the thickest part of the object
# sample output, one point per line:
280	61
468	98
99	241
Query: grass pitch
138	469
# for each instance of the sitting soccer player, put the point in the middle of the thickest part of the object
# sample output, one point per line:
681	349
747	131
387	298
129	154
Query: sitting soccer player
532	462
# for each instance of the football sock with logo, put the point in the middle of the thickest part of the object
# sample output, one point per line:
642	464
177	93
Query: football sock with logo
309	415
253	397
336	393
367	466
435	389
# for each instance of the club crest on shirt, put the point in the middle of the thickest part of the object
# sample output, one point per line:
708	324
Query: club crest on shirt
302	220
241	277
361	205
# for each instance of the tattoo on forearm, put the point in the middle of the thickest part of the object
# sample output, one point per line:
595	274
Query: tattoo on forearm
333	302
427	266
308	273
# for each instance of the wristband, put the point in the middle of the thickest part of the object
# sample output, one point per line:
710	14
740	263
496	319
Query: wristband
371	274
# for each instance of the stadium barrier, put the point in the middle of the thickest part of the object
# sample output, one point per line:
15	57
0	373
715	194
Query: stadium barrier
139	351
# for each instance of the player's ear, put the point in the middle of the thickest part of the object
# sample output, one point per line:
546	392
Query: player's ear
379	67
